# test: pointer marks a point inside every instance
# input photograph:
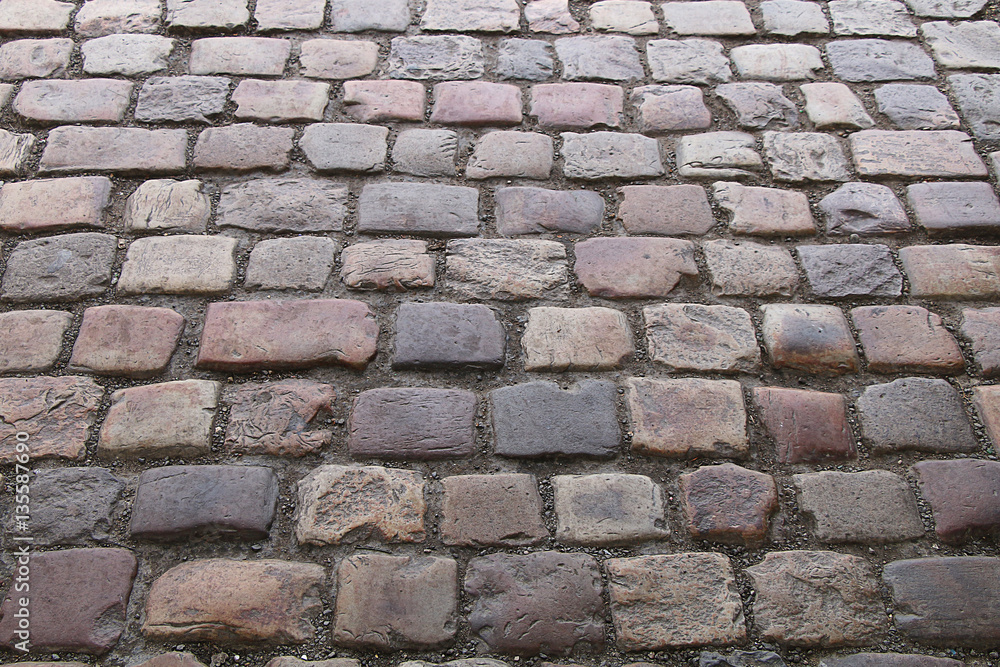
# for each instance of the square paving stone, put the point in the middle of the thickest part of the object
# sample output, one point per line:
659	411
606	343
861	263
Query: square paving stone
166	205
947	601
728	504
955	208
69	267
389	264
764	211
73	505
31	340
863	209
805	426
608	509
414	423
865	507
507	270
133	341
817	599
978	98
952	271
759	106
536	419
576	339
672	601
916	107
924	414
904	339
396	602
633	267
179	502
696	61
447	335
78	601
300	263
425	152
878	60
850	270
55	412
469	515
542	602
810	338
833	105
750	269
805	156
964	45
693	337
284	418
666	210
964	495
981	328
687	417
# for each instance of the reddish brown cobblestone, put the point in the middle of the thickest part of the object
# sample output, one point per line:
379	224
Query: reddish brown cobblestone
52	204
906	339
728	504
469	517
127	150
633	267
563	339
809	338
963	495
31	340
55	413
133	341
281	418
805	426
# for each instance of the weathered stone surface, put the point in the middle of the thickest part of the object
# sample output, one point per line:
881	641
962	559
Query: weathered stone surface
599	57
601	155
133	341
805	426
792	17
954	208
978	97
254	335
981	327
243	56
718	155
817	599
777	62
608	509
764	211
418	208
863	209
396	602
284	205
207	14
811	338
560	339
14	152
235	601
396	265
945	153
181	98
107	17
506	270
447	335
749	269
670	601
742	658
550	16
243	147
906	339
667	210
916	107
469	517
176	502
693	337
376	101
878	60
56	413
946	601
290	661
712	17
670	108
890	659
289	14
360	15
511	155
81	101
31	340
164	205
871	17
73	505
51	204
471	15
436	57
963	497
953	271
129	55
759	105
332	147
183	264
537	210
633	267
284	418
529	59
728	504
833	105
476	103
629	16
78	601
805	156
964	45
59	268
347	504
337	58
945	8
697	61
541	419
125	150
34	58
413	424
301	263
689	417
514	596
41	16
160	420
426	152
280	101
850	269
868	506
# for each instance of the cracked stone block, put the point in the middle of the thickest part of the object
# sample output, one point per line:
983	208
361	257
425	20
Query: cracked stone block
301	263
790	18
808	337
805	156
832	105
182	98
15	150
670	108
710	17
764	211
955	208
506	270
471	15
51	204
338	147
299	205
165	205
447	335
608	509
633	267
375	101
68	267
600	155
55	412
759	105
952	271
885	18
665	209
183	264
283	418
469	516
695	61
863	60
425	152
864	209
906	339
944	153
916	107
718	155
396	265
599	57
805	426
425	209
34	58
749	269
337	58
981	328
527	59
728	504
964	45
979	100
509	154
693	337
435	57
132	341
73	505
207	14
576	339
850	270
922	414
129	55
962	494
31	340
361	15
570	106
550	16
777	62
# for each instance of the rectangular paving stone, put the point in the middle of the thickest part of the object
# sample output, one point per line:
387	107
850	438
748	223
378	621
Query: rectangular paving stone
665	209
710	17
55	412
537	419
696	61
599	57
524	210
128	55
629	16
468	516
962	496
35	58
433	152
805	426
243	147
182	98
871	17
235	602
728	504
528	59
124	150
68	267
73	505
863	60
759	105
863	209
254	335
910	153
301	263
289	14
107	17
805	156
672	601
504	154
52	204
338	58
670	108
207	14
561	339
808	337
376	101
476	103
300	205
749	269
396	265
952	271
471	15
953	208
850	270
418	208
79	101
360	15
601	155
890	660
916	107
792	17
280	101
419	424
283	418
964	45
906	339
718	155
506	270
447	335
978	98
333	147
608	509
131	341
945	8
571	106
39	16
764	211
31	340
435	57
550	16
633	267
183	264
981	328
777	62
693	337
243	56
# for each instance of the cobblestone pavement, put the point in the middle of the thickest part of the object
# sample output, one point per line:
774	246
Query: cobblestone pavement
368	332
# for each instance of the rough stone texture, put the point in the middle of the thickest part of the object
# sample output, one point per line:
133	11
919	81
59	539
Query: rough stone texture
528	59
550	16
916	107
902	339
728	504
629	16
749	269
182	98
59	268
205	14
759	105
537	419
963	496
965	45
946	601
978	97
284	205
953	271
334	147
124	150
506	270
164	205
476	103
689	417
184	264
412	424
15	150
513	597
790	18
764	211
301	263
777	62
511	155
600	155
471	15
697	61
850	270
981	327
130	341
890	659
283	418
56	413
234	601
160	420
126	54
955	208
256	335
521	210
666	210
945	8
677	600
73	505
52	204
469	516
866	507
670	108
436	57
608	509
34	58
871	17
426	152
878	60
599	57
289	14
633	267
84	101
805	426
817	599
242	56
810	338
863	209
833	105
375	101
280	101
693	337
243	147
347	504
361	15
396	602
718	155
387	265
78	600
31	340
41	16
577	339
944	153
177	502
447	335
418	208
711	17
805	156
